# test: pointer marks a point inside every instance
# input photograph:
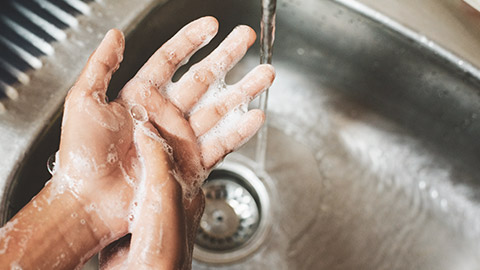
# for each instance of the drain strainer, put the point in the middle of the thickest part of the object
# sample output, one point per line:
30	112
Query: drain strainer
231	214
234	222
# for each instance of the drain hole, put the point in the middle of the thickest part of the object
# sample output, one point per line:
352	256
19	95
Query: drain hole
233	224
232	213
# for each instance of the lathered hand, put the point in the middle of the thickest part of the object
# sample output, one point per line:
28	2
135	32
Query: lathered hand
91	196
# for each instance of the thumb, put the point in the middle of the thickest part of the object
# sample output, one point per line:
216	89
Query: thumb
98	71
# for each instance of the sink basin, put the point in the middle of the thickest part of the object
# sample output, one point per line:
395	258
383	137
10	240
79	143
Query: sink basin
373	150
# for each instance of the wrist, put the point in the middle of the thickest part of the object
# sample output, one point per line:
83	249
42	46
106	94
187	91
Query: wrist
53	231
104	202
77	208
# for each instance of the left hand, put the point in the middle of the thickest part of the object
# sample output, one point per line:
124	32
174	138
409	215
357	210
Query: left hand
97	147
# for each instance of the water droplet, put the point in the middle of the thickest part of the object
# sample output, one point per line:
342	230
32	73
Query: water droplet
422	184
139	113
434	194
131	217
171	55
300	51
146	93
51	163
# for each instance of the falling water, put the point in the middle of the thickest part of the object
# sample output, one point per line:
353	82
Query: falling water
267	37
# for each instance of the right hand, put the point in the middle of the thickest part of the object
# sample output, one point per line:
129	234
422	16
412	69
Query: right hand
166	222
92	126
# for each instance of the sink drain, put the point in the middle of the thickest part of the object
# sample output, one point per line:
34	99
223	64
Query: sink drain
231	214
234	222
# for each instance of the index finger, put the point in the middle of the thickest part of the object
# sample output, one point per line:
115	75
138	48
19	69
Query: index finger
164	62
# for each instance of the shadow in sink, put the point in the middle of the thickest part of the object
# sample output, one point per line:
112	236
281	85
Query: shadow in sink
373	147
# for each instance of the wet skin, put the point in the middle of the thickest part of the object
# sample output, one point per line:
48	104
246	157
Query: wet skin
115	175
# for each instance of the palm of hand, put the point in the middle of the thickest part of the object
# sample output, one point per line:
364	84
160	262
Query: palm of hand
97	136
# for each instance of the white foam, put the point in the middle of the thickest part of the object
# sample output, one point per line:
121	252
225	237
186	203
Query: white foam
10	226
213	94
112	155
227	124
139	188
126	177
15	266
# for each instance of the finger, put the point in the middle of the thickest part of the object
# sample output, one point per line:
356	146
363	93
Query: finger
171	124
164	62
214	148
248	88
115	255
154	151
188	90
104	61
158	231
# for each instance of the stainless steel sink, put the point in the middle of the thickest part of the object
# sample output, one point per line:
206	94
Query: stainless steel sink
373	149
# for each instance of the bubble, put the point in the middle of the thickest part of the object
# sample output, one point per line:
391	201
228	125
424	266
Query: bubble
139	113
169	149
146	93
197	77
112	158
82	221
171	55
184	61
51	163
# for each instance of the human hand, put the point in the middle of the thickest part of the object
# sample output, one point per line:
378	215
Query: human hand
169	111
86	204
166	222
172	106
98	158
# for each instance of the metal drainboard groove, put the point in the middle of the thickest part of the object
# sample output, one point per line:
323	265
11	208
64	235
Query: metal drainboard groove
27	29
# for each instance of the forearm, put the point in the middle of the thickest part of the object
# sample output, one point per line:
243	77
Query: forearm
53	231
158	238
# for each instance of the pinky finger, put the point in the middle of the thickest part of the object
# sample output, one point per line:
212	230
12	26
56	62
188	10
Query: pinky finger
214	148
